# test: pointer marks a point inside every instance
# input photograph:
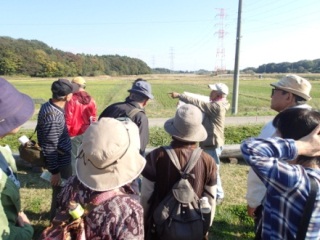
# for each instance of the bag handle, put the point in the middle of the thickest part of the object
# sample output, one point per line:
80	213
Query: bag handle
306	216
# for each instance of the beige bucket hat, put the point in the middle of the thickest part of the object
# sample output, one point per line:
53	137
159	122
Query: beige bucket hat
187	124
109	155
294	84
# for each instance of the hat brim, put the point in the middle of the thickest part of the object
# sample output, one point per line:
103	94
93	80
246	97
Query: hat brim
123	171
21	110
198	135
148	95
291	90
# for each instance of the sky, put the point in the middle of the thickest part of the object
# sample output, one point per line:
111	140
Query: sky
177	34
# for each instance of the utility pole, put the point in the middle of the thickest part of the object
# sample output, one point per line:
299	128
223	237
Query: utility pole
236	64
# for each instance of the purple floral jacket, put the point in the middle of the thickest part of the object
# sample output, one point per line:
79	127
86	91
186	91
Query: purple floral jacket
119	217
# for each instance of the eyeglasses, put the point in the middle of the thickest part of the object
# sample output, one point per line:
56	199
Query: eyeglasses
277	89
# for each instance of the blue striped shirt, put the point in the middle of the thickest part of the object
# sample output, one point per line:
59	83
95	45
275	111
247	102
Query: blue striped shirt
53	137
288	187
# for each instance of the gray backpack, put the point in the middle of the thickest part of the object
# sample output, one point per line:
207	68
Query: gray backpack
178	215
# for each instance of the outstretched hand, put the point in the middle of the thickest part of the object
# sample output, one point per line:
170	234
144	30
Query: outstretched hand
310	145
174	94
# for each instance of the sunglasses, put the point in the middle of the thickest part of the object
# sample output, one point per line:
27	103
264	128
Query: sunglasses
277	89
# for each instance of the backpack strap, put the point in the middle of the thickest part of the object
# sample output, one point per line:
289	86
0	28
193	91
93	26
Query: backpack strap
191	163
133	112
307	212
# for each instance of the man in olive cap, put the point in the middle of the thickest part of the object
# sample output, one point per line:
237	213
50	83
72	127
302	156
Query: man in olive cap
291	91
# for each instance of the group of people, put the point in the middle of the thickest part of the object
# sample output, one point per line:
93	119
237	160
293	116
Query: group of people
104	159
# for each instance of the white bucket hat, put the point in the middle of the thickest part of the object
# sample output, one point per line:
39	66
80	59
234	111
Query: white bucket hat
219	87
294	84
187	124
109	155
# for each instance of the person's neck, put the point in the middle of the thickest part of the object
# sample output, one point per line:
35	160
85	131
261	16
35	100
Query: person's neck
59	103
217	99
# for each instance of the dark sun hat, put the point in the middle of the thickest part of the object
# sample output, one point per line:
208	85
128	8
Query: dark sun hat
15	107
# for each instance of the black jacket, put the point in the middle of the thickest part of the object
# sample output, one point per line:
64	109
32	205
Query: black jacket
122	109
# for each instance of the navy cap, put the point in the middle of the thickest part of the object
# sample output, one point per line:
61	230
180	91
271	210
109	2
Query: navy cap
63	87
142	87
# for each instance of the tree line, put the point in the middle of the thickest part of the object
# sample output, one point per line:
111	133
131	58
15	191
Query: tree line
36	59
303	66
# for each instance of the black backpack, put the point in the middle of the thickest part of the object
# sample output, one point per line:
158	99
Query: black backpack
178	215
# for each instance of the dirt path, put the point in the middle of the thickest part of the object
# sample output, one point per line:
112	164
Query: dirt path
158	122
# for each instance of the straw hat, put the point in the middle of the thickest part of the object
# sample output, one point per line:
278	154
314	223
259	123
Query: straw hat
294	84
187	124
15	107
109	155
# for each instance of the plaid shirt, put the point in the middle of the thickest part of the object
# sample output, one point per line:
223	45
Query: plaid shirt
288	187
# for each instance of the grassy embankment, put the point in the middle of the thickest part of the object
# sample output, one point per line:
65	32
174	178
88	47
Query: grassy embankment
231	221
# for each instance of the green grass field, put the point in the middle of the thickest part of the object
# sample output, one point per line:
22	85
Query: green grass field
253	98
231	221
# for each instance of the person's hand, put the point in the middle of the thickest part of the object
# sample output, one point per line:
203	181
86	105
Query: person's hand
251	211
22	219
174	94
55	179
309	145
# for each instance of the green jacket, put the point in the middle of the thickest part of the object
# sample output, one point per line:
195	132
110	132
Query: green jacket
10	205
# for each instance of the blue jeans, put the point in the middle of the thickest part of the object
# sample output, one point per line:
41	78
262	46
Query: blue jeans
215	153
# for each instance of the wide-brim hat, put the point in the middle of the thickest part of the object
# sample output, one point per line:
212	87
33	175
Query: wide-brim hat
294	84
109	155
141	86
15	107
187	124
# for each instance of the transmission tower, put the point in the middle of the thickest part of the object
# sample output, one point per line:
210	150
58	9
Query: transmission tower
220	54
172	59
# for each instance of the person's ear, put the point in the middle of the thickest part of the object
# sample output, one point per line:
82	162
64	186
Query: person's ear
145	102
68	97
